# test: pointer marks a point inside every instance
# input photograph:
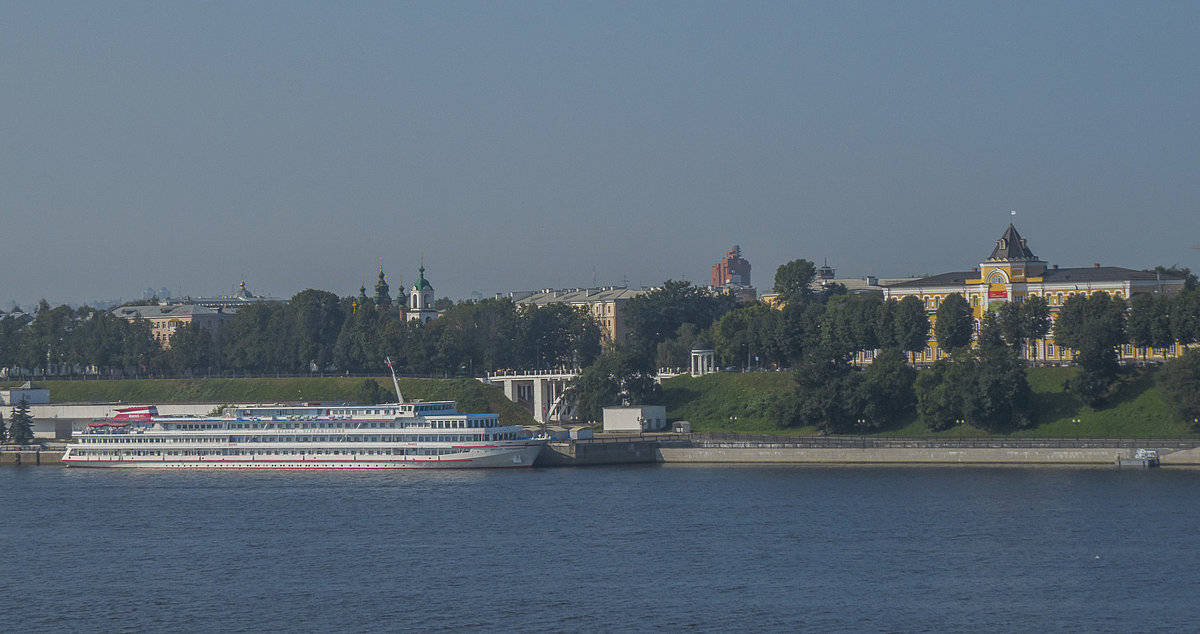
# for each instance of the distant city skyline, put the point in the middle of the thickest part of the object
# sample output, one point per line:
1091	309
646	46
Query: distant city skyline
526	145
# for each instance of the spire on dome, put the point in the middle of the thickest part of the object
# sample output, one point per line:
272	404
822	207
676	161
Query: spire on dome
422	283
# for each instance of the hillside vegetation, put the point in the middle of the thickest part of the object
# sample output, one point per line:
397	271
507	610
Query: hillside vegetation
721	402
472	396
740	403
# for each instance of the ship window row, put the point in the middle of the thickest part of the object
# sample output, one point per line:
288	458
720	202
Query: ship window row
316	438
464	423
311	414
288	425
86	453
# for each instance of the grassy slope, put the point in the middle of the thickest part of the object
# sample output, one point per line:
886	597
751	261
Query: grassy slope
714	403
1136	409
726	402
473	396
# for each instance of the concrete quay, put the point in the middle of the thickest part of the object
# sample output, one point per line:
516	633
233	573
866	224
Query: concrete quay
31	457
756	449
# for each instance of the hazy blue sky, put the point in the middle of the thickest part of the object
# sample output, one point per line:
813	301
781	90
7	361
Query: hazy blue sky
528	145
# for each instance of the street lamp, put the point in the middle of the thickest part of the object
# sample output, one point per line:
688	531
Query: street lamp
1076	421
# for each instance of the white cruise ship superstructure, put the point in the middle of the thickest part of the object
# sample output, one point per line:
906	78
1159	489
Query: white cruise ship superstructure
306	436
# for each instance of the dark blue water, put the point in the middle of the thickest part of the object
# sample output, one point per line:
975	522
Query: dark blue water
610	549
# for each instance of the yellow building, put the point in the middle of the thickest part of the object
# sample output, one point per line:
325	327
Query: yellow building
606	304
1012	273
165	319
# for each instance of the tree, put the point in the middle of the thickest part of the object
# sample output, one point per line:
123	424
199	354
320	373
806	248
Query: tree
986	387
617	377
257	338
1149	321
676	352
946	390
1003	399
848	324
1035	318
1179	382
317	318
20	430
1009	325
3	430
798	331
557	335
912	326
826	396
1190	282
656	316
492	326
359	346
1185	317
1093	326
955	323
793	281
885	394
191	349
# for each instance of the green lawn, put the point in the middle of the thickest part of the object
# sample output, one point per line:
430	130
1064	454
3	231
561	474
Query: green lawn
732	402
472	396
721	402
738	403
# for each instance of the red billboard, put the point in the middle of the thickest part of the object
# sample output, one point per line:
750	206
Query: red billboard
997	294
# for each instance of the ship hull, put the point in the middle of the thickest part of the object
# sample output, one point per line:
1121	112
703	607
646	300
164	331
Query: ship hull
508	457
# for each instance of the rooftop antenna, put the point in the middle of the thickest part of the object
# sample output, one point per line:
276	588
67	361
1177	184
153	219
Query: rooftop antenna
395	383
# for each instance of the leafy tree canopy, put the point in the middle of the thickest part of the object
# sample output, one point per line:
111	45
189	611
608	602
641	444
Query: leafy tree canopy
955	324
1179	382
793	281
616	378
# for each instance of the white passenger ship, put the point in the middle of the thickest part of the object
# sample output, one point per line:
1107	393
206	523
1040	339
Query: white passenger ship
402	435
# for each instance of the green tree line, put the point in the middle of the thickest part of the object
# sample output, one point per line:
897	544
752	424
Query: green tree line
315	331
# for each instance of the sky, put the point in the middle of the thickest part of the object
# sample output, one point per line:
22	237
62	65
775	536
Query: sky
528	145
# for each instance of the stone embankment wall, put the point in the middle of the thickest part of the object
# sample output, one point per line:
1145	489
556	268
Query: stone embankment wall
700	448
29	458
572	453
894	456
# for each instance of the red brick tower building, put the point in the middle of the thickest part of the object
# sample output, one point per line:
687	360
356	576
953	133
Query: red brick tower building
732	270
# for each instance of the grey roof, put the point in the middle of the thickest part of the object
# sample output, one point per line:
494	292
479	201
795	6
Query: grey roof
1103	274
957	278
1011	247
1082	274
580	295
161	311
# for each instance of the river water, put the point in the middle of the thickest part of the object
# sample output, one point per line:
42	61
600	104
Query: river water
639	548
